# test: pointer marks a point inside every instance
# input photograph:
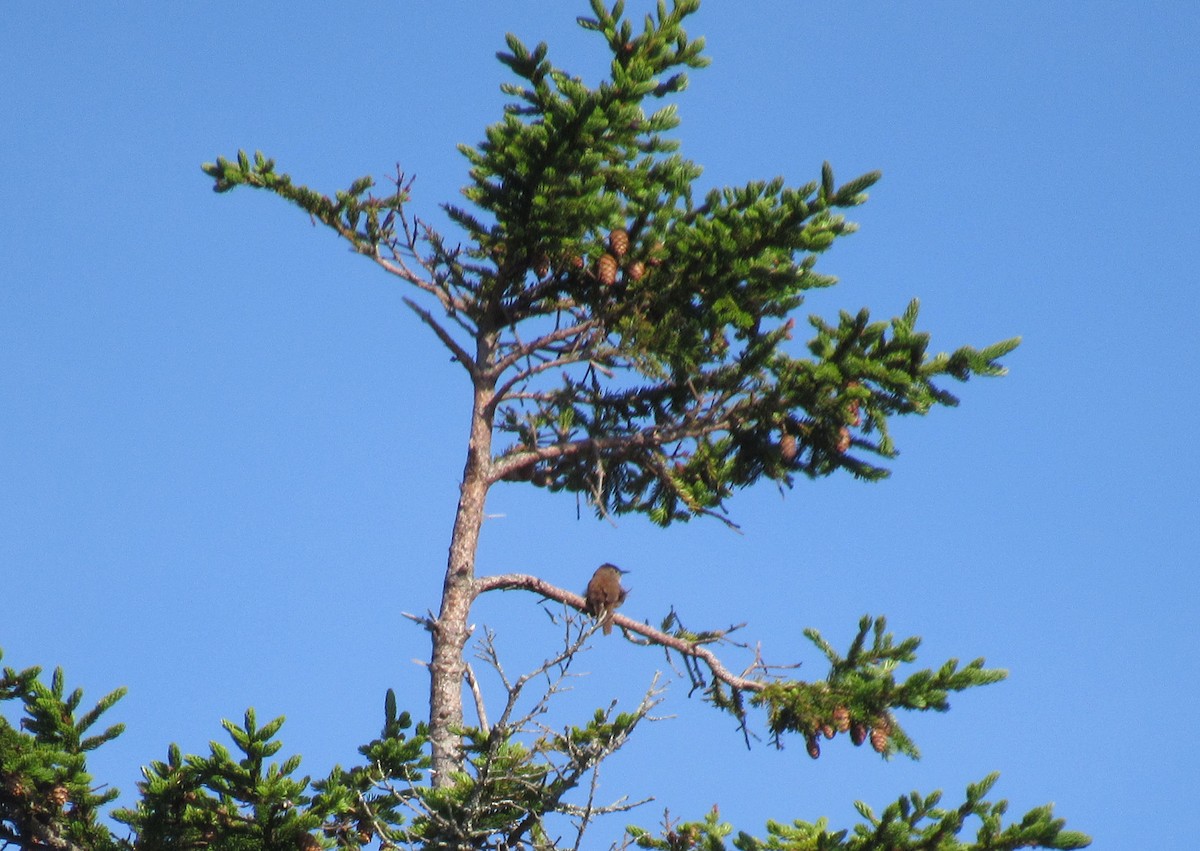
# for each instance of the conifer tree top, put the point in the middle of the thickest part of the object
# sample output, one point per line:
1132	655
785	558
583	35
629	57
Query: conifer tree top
636	341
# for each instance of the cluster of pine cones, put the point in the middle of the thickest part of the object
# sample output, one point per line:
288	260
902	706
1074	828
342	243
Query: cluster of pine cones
789	448
879	731
611	263
45	804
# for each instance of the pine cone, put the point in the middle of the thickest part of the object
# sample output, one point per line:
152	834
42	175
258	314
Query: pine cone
827	731
879	738
541	266
841	719
855	404
787	448
843	439
618	242
606	270
636	270
858	733
812	745
308	842
59	795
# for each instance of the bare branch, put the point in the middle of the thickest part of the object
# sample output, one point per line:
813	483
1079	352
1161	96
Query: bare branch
502	394
480	707
619	806
561	660
449	342
427	620
400	269
525	582
589	811
571	332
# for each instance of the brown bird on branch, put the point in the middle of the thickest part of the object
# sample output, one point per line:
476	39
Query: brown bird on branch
604	594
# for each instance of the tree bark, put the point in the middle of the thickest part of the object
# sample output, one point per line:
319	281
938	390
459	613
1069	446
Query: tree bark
450	632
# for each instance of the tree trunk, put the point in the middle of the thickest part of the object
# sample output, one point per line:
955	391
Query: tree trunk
458	592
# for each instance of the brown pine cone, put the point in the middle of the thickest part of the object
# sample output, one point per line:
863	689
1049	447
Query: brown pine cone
879	738
787	448
606	270
59	795
843	439
636	270
841	719
541	266
858	733
855	404
812	746
618	242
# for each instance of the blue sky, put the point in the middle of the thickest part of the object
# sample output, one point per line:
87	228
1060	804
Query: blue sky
229	455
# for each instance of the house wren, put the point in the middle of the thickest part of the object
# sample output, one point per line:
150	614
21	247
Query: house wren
604	594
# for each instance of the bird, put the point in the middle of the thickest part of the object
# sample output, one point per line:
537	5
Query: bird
604	594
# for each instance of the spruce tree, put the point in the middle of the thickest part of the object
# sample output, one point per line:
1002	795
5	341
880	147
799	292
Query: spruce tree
631	342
